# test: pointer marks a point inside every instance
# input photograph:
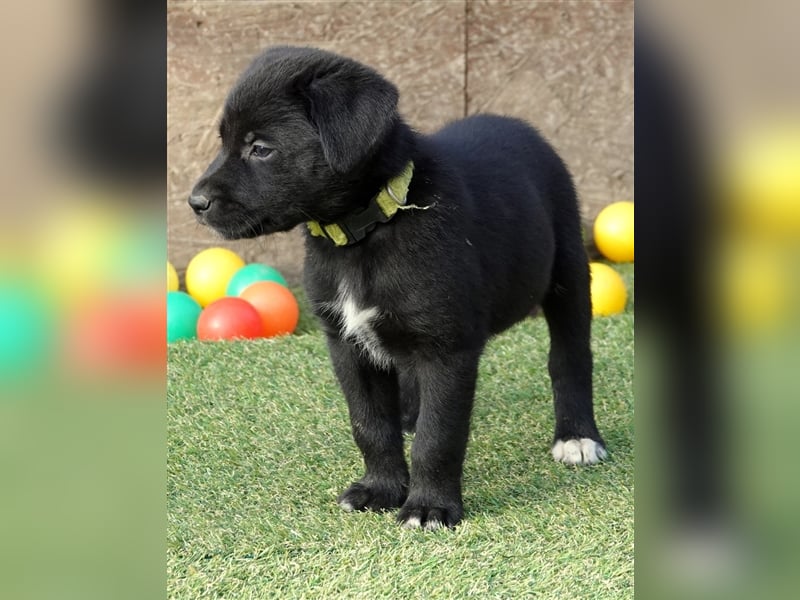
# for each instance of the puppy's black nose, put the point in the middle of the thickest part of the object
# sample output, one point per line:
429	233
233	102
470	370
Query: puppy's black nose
199	203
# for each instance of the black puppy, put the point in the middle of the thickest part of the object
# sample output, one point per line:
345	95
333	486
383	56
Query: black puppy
419	248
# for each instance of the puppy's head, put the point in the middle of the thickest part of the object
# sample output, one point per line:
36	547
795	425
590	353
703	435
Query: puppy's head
299	129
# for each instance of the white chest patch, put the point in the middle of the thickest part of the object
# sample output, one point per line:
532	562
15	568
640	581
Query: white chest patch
358	325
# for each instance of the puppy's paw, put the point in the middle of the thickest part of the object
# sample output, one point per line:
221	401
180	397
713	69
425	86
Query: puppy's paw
421	516
583	451
362	496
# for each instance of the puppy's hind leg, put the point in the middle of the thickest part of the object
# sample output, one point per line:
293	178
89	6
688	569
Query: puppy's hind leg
567	308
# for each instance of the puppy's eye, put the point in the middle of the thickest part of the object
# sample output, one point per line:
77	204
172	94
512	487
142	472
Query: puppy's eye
260	150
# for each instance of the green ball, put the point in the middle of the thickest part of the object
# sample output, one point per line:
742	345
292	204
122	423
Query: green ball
250	274
182	314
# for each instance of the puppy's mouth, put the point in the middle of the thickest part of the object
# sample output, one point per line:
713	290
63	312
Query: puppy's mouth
241	232
237	229
241	225
230	224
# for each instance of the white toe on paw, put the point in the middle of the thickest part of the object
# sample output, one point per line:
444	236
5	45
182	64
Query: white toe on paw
412	523
584	451
345	505
433	525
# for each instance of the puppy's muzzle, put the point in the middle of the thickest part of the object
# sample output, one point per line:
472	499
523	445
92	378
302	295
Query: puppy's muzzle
199	203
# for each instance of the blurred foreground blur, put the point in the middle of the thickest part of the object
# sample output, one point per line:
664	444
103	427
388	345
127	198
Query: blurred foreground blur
718	284
82	319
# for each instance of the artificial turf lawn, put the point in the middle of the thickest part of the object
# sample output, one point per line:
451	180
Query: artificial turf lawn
259	447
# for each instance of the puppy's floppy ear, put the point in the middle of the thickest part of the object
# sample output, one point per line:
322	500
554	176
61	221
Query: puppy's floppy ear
353	108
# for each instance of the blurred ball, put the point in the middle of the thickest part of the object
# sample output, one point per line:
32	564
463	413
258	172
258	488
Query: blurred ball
608	290
209	272
613	232
119	334
182	314
761	178
753	286
249	274
79	250
172	278
27	331
229	318
275	304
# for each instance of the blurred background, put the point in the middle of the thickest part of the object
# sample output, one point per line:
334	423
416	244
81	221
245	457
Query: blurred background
82	319
718	284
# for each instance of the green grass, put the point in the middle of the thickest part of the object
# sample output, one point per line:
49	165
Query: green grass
259	448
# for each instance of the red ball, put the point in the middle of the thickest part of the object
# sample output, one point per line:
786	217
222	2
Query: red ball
276	305
229	318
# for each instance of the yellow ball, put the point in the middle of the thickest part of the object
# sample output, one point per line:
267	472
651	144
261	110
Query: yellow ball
608	290
613	232
209	272
172	278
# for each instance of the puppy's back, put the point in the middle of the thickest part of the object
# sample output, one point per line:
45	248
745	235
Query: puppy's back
492	147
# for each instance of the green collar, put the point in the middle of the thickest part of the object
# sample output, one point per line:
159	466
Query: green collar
355	226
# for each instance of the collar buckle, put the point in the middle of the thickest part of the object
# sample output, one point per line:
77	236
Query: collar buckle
358	225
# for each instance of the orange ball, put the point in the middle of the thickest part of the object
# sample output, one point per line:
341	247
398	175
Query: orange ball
275	304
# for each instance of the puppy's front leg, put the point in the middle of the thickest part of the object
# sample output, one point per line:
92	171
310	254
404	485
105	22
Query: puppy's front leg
447	388
374	406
